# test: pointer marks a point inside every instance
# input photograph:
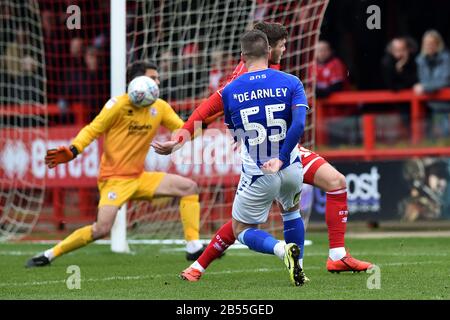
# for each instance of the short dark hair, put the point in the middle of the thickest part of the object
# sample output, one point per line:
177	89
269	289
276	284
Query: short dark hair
139	68
274	31
410	43
254	44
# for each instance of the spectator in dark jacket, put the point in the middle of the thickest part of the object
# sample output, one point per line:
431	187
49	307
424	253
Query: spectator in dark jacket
433	66
398	65
399	72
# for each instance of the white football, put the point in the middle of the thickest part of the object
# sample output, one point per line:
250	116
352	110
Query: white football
143	91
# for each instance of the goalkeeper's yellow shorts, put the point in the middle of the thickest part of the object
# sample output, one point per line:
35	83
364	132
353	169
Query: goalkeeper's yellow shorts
116	192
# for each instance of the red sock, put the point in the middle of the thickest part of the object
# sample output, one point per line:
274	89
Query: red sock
223	238
336	213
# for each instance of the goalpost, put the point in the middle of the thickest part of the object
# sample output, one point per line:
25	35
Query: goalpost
196	46
119	242
23	118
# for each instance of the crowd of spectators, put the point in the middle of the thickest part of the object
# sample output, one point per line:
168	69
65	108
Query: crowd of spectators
424	72
19	63
77	61
403	67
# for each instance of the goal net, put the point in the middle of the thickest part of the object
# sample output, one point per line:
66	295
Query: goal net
196	46
23	120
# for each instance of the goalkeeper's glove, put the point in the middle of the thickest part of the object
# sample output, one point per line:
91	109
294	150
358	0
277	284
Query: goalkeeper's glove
61	155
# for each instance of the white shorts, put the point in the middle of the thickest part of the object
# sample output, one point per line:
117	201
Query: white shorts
255	194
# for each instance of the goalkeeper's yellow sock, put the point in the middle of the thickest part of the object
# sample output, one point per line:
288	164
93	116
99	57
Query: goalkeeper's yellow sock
190	217
77	239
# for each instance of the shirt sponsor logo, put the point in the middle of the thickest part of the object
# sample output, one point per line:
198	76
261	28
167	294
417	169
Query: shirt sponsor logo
262	76
135	128
111	102
112	195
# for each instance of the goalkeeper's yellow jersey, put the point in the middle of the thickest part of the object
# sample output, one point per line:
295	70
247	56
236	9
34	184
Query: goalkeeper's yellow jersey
128	132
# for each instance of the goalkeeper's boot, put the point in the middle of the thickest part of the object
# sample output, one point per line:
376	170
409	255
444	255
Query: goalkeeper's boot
38	261
291	255
191	274
347	263
195	255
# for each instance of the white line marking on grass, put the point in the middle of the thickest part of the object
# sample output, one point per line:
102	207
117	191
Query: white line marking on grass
393	264
45	283
32	283
383	253
171	275
398	234
128	278
16	253
236	245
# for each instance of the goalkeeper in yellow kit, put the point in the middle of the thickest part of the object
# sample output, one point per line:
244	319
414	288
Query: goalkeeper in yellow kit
128	132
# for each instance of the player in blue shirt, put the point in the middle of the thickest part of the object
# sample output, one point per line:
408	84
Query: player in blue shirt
266	110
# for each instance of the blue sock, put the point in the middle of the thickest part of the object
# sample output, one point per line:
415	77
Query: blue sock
258	240
294	230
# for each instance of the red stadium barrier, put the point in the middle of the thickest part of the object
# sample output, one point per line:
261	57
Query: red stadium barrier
369	150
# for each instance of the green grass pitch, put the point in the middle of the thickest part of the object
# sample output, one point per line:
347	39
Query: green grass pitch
411	268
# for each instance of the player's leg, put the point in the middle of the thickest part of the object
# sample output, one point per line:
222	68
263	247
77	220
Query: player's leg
331	181
293	226
251	208
220	242
263	242
294	233
113	193
289	203
187	190
256	239
223	238
79	238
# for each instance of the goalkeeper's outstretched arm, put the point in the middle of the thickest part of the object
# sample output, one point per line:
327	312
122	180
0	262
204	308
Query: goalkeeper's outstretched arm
89	133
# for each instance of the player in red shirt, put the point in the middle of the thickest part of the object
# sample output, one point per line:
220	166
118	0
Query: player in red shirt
316	170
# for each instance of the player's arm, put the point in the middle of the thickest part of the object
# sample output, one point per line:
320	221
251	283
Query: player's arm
206	113
89	133
212	108
299	105
170	118
209	110
171	121
228	121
